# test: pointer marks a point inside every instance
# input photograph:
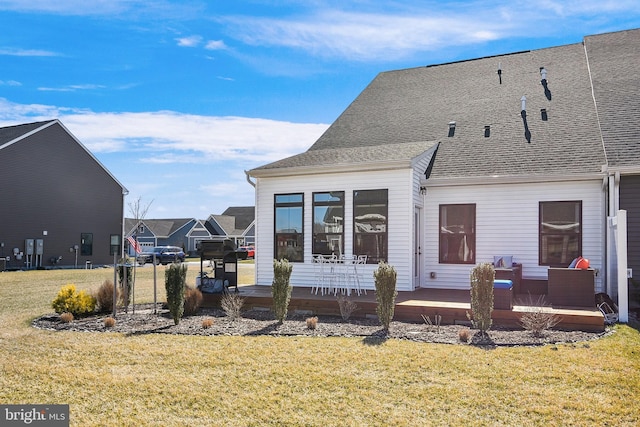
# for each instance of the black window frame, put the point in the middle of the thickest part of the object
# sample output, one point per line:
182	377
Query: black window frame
455	243
324	233
293	249
544	259
377	249
86	244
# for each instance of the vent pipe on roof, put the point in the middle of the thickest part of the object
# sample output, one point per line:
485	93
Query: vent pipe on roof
500	72
523	113
543	74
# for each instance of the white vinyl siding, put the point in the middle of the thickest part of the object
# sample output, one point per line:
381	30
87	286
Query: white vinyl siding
399	232
507	224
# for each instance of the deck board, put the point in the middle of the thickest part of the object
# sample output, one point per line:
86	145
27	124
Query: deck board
451	305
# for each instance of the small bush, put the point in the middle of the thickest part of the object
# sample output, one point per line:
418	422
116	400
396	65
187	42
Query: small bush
207	323
231	304
280	288
482	277
104	297
77	303
537	319
66	317
175	281
125	271
385	280
312	322
347	306
464	335
192	301
109	322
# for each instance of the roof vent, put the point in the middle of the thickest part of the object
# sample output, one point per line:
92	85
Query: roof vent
487	131
523	113
543	75
452	129
543	114
500	72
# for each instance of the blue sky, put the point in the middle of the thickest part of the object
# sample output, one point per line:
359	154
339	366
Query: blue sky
178	98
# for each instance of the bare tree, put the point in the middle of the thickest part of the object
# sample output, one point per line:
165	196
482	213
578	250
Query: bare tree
138	211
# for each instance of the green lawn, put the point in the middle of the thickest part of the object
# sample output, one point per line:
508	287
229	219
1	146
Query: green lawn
109	379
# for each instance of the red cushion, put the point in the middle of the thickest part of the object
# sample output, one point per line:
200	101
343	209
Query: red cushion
582	264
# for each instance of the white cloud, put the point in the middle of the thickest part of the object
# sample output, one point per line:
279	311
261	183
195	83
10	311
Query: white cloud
215	45
172	137
71	88
399	30
191	41
26	52
10	83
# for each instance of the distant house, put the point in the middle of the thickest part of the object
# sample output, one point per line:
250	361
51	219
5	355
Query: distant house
181	232
435	169
59	206
237	223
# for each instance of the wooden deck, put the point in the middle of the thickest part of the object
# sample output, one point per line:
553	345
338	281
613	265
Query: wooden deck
452	305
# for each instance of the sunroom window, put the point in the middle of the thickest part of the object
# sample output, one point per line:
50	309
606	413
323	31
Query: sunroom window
328	223
370	210
289	227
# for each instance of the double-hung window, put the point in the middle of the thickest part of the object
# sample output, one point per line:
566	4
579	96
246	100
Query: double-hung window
289	227
370	211
328	223
560	230
457	234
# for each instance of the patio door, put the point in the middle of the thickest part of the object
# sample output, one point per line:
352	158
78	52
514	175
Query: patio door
417	247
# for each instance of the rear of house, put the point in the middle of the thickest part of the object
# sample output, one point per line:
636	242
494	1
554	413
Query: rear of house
498	156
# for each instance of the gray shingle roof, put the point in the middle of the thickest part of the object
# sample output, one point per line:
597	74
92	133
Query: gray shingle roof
403	107
614	59
349	156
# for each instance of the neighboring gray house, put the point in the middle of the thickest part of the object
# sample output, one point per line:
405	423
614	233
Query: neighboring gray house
164	232
435	169
236	223
59	206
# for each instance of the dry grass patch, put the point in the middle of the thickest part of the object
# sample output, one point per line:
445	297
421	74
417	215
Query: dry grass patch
149	380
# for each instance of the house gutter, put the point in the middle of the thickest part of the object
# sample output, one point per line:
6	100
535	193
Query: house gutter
508	179
248	177
327	169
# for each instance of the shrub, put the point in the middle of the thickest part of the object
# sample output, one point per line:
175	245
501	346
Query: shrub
280	288
536	318
347	306
192	300
174	281
482	277
231	304
312	322
207	323
104	297
385	280
66	317
125	292
464	335
77	303
109	322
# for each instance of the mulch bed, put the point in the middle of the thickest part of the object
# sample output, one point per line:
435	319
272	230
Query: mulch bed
258	322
